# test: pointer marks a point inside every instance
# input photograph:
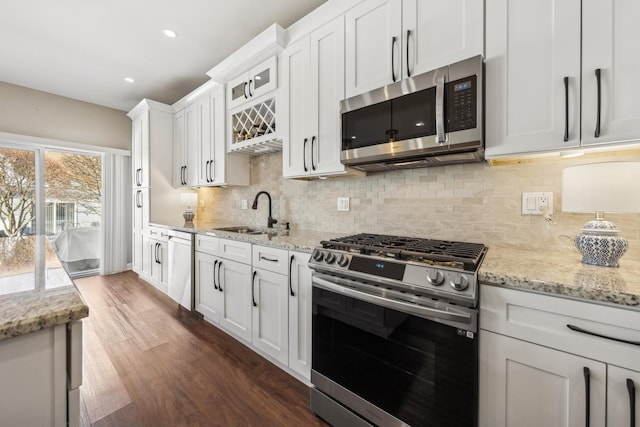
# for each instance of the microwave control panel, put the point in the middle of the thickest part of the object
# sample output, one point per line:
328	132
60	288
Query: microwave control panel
461	97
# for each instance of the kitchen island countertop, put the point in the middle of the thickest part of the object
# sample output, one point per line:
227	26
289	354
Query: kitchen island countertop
35	290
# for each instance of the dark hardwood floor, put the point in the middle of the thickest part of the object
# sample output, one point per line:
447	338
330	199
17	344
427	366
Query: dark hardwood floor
149	363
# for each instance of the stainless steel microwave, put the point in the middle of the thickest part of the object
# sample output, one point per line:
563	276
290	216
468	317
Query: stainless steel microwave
435	118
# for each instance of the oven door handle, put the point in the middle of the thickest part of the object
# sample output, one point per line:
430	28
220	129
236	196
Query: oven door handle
418	310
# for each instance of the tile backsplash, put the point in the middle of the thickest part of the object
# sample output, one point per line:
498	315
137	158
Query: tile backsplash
471	202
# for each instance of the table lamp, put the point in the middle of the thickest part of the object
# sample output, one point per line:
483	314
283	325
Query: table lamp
598	188
188	199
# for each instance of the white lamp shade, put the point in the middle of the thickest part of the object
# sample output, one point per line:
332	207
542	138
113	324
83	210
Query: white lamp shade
189	199
602	187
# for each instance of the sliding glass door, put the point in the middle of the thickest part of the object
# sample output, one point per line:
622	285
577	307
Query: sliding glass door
73	209
58	194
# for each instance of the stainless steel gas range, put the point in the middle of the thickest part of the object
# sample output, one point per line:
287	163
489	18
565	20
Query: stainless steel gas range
395	331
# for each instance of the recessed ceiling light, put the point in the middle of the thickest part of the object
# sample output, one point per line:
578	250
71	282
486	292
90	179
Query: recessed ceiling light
170	33
129	80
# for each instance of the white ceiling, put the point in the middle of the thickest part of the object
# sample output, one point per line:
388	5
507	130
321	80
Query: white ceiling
83	49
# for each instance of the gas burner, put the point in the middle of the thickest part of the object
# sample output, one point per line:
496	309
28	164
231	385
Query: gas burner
460	255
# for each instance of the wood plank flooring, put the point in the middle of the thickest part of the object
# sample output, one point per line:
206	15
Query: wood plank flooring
149	363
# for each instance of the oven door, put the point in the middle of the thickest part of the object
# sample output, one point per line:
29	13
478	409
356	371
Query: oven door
393	362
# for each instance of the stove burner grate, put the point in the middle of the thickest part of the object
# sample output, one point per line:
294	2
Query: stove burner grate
467	255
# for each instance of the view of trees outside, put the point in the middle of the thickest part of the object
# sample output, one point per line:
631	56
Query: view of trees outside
72	180
74	184
17	190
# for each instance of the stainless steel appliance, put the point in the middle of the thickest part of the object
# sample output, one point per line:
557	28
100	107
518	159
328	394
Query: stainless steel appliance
434	118
394	331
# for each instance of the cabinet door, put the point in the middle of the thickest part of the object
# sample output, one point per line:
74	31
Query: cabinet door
185	128
157	263
326	91
218	166
140	150
612	49
138	251
270	314
440	33
234	282
179	274
527	385
208	297
263	78
295	68
237	91
178	148
373	45
204	145
531	46
300	314
621	402
140	203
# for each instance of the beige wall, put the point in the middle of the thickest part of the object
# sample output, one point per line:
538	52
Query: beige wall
33	113
472	202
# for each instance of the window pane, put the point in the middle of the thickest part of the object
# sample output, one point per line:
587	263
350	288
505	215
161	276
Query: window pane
73	184
17	192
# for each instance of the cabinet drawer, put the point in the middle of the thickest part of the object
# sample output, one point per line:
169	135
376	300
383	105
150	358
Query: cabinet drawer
546	320
207	244
271	259
158	233
235	250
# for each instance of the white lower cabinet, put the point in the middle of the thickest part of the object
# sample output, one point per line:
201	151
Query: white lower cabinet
542	365
223	285
270	314
529	385
623	388
208	298
234	283
156	258
265	300
41	374
300	314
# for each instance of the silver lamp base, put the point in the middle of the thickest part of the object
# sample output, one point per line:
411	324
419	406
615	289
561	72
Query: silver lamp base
188	216
600	244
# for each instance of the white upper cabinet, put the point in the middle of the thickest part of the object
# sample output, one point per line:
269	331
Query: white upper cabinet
532	76
185	129
313	75
215	166
613	50
199	143
252	84
388	40
437	33
373	39
140	150
541	57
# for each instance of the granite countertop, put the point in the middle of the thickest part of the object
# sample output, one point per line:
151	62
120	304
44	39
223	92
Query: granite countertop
35	290
557	271
294	240
561	272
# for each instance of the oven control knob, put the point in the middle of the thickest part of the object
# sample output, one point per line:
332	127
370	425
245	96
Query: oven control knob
343	261
435	278
318	256
460	283
330	258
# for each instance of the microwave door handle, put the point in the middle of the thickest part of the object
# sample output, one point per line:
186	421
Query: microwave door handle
441	137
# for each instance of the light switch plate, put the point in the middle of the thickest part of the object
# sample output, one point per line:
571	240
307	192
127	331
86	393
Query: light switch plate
245	205
537	203
343	204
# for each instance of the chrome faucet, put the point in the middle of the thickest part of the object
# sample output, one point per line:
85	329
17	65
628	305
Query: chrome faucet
270	220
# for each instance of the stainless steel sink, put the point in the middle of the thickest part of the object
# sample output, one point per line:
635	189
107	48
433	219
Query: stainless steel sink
244	230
